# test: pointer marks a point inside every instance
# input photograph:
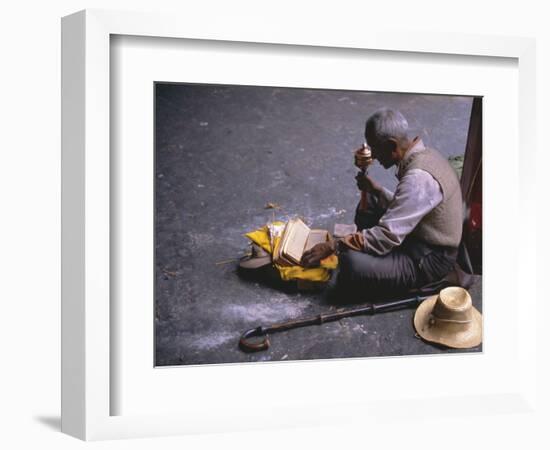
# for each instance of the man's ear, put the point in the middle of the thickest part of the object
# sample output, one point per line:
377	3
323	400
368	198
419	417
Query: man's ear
393	145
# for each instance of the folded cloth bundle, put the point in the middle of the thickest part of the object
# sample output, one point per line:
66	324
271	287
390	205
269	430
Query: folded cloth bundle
263	238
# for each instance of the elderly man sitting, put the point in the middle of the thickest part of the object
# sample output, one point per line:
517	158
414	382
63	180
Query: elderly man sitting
407	239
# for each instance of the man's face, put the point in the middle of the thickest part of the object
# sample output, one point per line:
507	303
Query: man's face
382	151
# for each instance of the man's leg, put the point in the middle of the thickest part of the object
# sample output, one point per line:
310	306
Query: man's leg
363	277
408	270
401	272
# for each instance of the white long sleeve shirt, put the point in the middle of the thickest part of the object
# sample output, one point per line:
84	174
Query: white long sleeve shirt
417	194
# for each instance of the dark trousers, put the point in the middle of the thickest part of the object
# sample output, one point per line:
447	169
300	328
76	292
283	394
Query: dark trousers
402	272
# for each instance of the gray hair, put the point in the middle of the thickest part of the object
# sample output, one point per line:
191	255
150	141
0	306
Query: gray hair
386	123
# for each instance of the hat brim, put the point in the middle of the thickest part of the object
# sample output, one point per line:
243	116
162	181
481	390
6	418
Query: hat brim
254	262
471	337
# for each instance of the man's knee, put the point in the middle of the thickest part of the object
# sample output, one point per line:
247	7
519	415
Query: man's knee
362	220
355	266
371	216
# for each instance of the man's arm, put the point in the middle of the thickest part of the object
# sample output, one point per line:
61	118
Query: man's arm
385	197
416	195
366	183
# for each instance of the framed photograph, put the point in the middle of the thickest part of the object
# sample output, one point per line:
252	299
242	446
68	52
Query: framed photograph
203	168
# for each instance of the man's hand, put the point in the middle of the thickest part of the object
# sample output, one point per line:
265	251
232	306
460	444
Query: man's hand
313	256
366	183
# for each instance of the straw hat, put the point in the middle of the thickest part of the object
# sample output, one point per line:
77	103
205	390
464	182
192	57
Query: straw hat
449	319
257	259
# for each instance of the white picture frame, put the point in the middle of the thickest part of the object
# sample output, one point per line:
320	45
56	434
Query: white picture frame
86	247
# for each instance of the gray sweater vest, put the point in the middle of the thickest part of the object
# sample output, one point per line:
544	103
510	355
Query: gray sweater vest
442	225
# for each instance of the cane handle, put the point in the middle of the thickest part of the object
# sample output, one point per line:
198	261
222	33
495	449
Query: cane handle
262	344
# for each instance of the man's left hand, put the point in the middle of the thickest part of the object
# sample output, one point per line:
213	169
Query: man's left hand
313	256
367	184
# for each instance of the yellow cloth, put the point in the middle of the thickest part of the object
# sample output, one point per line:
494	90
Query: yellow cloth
321	273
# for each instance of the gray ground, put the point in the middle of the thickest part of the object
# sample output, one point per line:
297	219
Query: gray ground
223	153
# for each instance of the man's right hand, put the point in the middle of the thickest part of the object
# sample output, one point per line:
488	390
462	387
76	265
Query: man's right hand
320	251
367	184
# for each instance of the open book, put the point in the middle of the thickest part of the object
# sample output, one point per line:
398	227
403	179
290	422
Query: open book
296	239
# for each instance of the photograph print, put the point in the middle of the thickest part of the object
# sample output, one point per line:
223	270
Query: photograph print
305	224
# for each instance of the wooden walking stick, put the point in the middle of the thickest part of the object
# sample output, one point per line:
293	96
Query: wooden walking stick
257	339
363	158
